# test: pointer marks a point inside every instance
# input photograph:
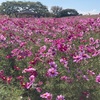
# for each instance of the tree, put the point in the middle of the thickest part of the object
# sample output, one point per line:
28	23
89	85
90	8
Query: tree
12	8
41	10
9	8
56	10
68	12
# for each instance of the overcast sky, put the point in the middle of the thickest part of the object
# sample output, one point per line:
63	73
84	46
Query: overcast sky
82	6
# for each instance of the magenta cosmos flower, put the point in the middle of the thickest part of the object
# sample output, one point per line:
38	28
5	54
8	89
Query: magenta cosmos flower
42	49
80	57
32	80
30	70
2	38
98	78
60	97
53	64
47	96
52	72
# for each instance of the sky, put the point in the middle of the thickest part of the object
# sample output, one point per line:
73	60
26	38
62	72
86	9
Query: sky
82	6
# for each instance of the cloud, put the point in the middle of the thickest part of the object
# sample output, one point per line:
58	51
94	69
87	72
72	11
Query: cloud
94	11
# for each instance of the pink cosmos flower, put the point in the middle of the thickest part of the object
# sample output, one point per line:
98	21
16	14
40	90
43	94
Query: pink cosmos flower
38	89
40	83
69	80
23	84
32	78
92	41
52	72
64	61
30	70
86	94
81	56
53	64
96	53
47	40
20	78
19	57
8	56
3	78
2	38
77	58
43	48
27	53
85	77
16	68
33	62
29	84
47	96
1	73
90	72
60	97
51	51
62	47
22	44
8	79
64	78
85	56
15	52
98	79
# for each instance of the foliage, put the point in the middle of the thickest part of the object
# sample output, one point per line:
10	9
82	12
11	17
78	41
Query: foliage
68	12
56	10
9	92
13	8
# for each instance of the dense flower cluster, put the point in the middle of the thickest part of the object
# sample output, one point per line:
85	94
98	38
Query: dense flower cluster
57	55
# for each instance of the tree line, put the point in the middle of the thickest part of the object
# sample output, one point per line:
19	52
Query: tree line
14	8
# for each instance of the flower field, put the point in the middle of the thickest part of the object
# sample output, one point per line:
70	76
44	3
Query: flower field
50	58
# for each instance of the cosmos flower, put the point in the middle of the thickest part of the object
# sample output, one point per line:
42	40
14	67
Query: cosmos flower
47	96
53	64
60	97
30	70
98	79
52	72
